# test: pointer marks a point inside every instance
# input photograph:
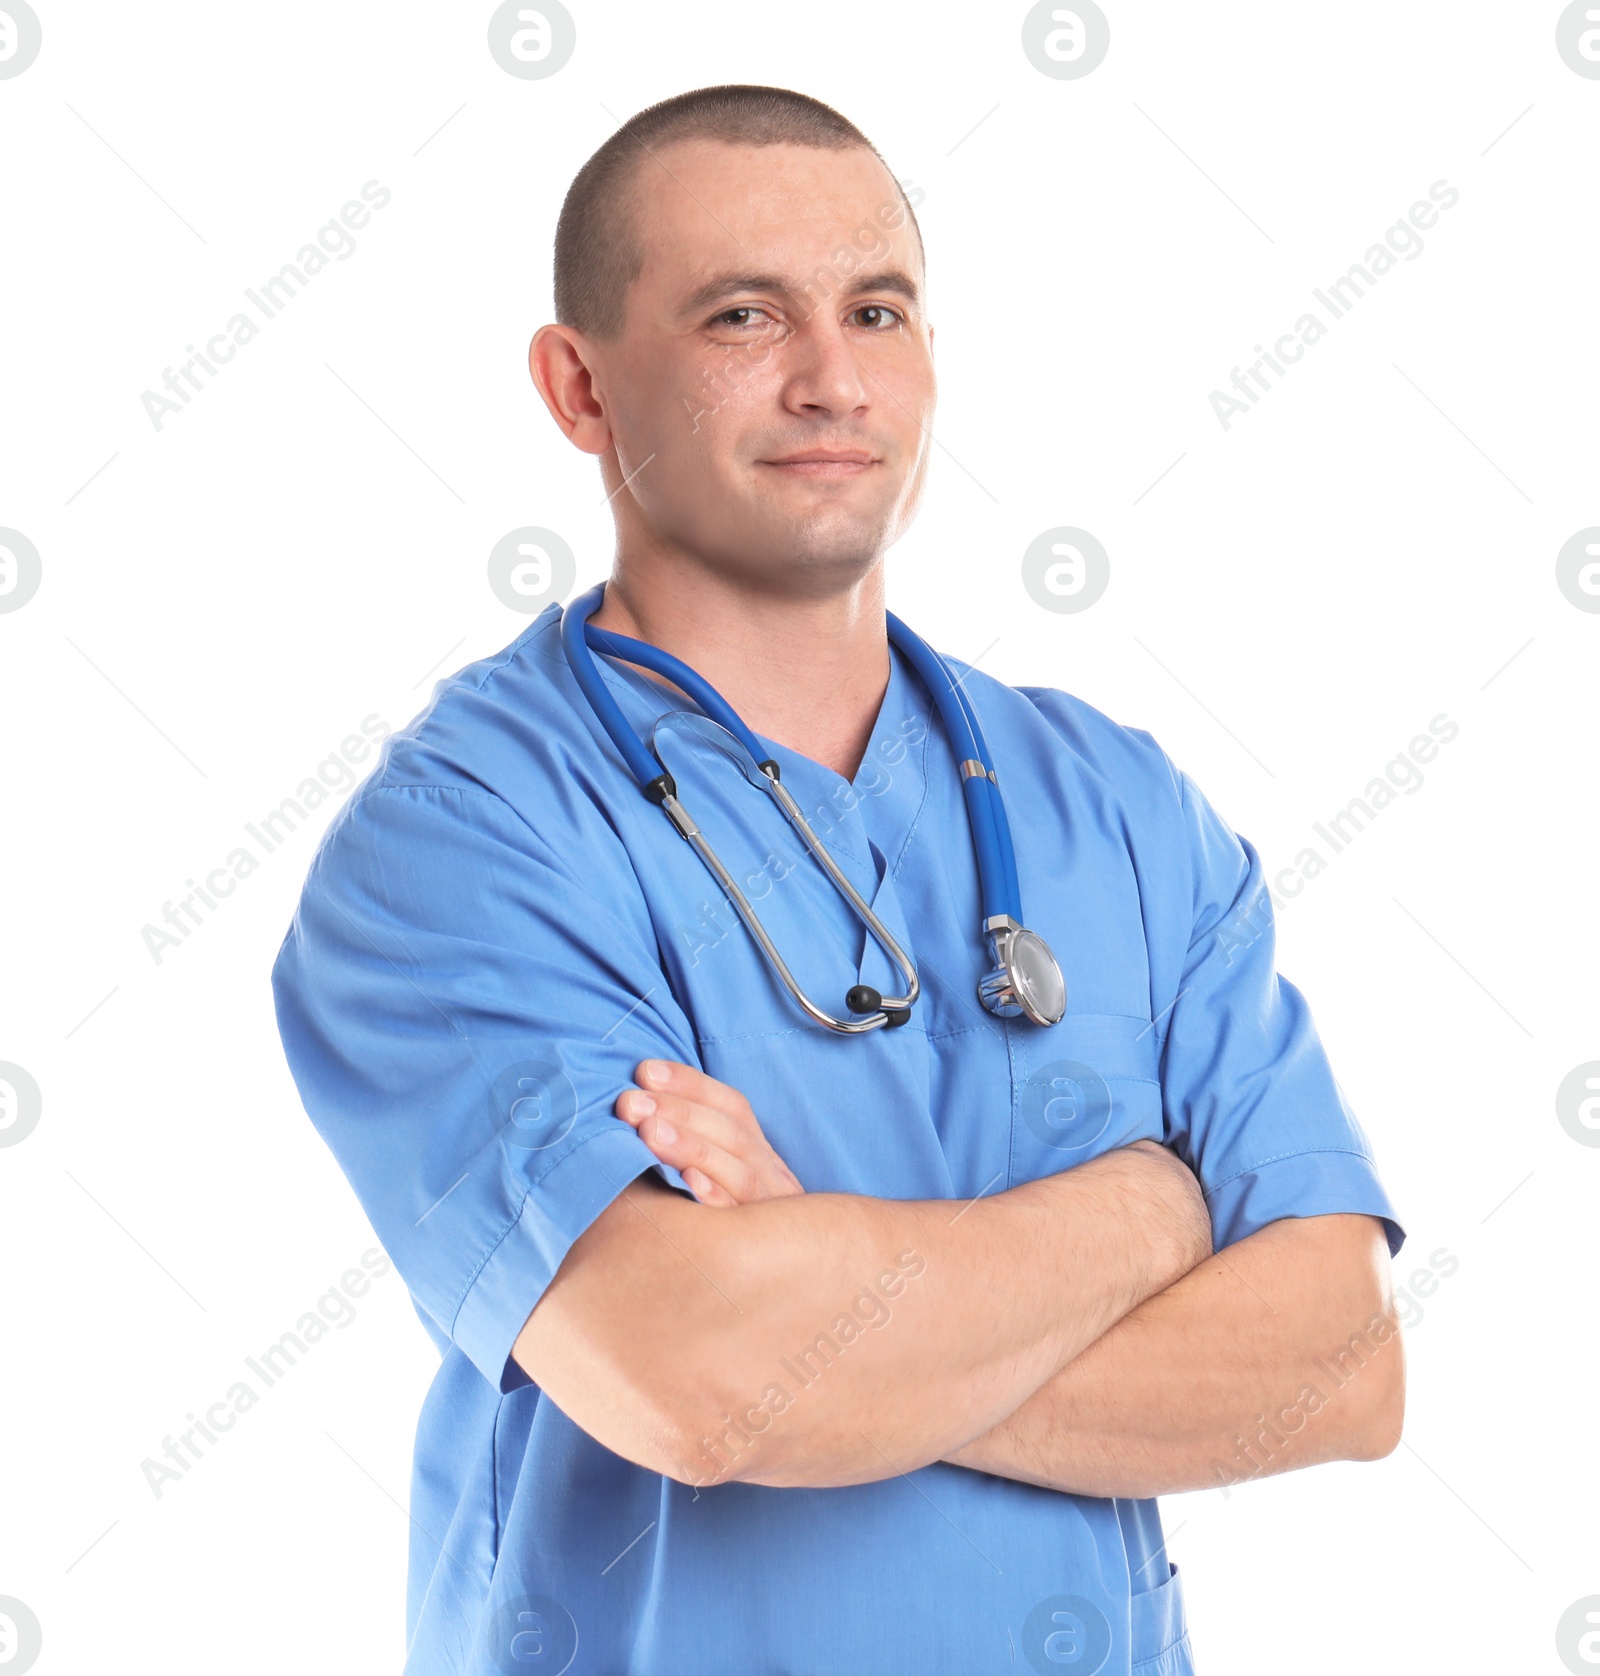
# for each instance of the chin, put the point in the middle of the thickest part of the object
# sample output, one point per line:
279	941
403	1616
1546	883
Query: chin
828	550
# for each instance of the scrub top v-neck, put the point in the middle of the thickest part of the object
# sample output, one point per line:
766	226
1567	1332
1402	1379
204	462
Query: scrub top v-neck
497	928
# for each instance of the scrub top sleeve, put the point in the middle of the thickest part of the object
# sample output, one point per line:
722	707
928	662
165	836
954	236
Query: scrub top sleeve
1250	1100
460	1006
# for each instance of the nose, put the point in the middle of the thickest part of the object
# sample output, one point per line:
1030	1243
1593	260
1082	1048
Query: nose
824	379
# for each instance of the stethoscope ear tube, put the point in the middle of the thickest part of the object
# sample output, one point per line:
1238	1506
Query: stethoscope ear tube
574	621
681	675
984	814
685	824
581	641
1026	977
991	832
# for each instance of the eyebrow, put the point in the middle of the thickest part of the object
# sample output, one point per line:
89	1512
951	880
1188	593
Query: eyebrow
893	280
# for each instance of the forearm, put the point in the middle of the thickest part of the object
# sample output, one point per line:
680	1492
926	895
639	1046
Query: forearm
829	1339
1279	1352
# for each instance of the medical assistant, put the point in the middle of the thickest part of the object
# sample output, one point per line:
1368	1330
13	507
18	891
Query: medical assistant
497	928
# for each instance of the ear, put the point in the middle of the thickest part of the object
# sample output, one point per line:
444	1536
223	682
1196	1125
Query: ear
559	359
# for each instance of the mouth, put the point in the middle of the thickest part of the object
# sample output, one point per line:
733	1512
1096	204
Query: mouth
825	463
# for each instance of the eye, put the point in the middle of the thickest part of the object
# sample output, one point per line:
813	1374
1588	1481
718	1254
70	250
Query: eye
876	317
741	318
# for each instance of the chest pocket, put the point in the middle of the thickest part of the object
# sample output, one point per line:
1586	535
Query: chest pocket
1081	1088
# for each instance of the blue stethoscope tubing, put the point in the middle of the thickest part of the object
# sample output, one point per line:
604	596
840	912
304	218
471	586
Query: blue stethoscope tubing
986	810
991	832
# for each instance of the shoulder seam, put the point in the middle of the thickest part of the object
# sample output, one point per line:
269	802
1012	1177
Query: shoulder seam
441	788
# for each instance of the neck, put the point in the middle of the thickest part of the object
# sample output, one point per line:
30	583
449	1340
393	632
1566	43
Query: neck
808	671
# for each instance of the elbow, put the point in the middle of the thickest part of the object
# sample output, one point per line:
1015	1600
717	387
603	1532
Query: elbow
1380	1417
634	1394
694	1430
717	1438
658	1430
634	1352
1374	1402
681	1421
681	1442
689	1448
615	1408
702	1453
1380	1434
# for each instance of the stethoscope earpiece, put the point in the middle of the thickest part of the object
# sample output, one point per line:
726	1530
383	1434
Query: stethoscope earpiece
865	999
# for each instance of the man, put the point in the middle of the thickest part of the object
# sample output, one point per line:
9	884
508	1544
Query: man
769	1348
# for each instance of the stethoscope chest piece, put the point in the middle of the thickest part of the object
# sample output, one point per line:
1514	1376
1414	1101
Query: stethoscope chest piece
1026	980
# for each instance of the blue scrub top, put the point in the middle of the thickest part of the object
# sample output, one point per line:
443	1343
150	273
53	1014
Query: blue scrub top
498	927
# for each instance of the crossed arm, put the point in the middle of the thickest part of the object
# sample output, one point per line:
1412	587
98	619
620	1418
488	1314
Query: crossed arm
1075	1332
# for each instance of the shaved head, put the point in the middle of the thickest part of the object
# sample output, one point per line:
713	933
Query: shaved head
598	250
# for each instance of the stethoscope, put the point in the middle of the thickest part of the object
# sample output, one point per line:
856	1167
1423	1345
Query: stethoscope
1025	979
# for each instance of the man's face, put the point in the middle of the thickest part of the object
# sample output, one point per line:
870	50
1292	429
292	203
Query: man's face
772	387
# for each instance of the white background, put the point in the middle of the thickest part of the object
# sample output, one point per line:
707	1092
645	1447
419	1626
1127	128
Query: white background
226	598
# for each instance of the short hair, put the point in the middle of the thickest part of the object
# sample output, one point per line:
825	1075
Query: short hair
598	254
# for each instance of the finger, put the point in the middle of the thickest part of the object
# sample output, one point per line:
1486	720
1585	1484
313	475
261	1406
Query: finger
684	1135
739	1136
685	1152
717	1109
691	1083
706	1190
635	1106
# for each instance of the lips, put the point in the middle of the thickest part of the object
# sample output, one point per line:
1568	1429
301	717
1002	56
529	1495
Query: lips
811	456
825	462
